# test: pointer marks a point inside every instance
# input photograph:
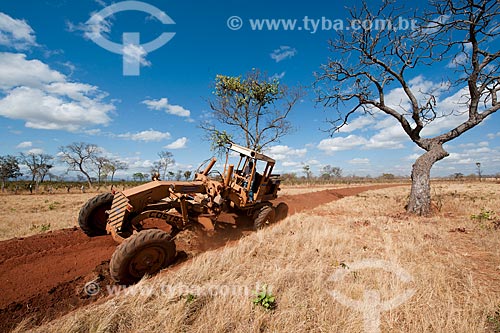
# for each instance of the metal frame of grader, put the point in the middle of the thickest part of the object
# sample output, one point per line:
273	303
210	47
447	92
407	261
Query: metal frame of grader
241	189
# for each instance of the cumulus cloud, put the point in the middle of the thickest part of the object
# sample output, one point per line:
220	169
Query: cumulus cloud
359	123
282	53
342	143
36	151
178	144
359	161
24	145
46	99
282	152
162	104
133	54
146	136
15	33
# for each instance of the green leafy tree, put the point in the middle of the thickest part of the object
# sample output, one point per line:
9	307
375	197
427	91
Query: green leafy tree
328	172
139	176
253	108
9	169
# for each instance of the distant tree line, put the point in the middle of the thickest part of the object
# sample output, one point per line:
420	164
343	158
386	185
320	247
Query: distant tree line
89	161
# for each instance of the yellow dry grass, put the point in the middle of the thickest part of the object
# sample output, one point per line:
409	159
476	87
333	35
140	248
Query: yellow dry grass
24	215
452	265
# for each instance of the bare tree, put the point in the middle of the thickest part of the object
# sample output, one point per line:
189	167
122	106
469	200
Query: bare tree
79	157
368	63
38	163
100	163
328	172
254	108
112	166
166	160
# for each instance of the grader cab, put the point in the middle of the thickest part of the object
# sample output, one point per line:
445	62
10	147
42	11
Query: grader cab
245	188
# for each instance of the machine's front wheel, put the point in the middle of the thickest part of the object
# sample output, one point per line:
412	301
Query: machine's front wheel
146	252
263	217
93	218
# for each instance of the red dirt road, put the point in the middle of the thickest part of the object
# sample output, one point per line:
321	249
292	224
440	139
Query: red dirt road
42	277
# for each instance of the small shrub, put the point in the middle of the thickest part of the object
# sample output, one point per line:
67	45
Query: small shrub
42	227
487	219
190	298
265	299
53	205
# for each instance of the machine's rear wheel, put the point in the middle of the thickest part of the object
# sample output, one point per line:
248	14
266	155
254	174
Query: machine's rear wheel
146	252
93	218
263	217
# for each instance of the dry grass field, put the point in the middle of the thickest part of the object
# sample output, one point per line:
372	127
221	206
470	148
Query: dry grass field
362	247
24	214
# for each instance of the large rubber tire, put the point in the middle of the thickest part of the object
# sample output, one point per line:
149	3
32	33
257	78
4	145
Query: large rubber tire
263	217
146	252
93	218
281	211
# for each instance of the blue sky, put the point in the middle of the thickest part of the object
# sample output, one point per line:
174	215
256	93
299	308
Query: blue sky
57	87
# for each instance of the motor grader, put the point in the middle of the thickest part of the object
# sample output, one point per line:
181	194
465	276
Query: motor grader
240	189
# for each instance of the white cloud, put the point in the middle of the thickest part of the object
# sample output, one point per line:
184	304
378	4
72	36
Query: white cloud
288	164
277	76
283	153
491	136
359	123
359	161
133	54
146	136
163	104
92	29
342	143
45	99
413	157
35	151
16	71
25	144
178	144
282	53
15	33
390	137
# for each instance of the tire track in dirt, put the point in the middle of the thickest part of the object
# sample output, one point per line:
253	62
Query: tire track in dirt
42	277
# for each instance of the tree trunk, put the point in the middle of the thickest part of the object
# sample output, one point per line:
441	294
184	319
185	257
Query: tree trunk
420	195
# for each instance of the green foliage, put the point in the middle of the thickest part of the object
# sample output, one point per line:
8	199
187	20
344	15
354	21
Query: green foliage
487	219
42	227
264	298
484	215
253	107
219	140
249	91
53	205
9	168
190	298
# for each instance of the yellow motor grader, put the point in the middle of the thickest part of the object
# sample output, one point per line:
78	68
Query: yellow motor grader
240	189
